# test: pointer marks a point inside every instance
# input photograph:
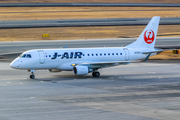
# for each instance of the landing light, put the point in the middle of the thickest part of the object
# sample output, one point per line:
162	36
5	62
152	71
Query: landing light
73	65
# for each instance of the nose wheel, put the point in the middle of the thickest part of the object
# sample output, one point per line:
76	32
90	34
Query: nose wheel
96	74
32	76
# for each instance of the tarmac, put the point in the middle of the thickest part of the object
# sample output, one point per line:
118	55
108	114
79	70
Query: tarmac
14	48
89	5
12	24
139	91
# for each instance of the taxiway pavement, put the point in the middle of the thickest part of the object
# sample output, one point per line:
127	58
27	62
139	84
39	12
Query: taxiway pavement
17	48
89	5
138	91
84	22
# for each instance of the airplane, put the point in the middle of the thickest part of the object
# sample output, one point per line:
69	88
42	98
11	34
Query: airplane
89	60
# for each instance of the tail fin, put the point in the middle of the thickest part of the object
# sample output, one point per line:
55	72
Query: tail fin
147	38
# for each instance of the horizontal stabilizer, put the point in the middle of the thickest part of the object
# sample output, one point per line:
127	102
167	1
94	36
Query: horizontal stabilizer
152	51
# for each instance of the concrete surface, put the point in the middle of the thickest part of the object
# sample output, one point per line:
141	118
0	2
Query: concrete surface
21	46
84	22
138	91
89	5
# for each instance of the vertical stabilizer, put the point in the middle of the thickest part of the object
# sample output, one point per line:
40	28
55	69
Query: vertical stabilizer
147	38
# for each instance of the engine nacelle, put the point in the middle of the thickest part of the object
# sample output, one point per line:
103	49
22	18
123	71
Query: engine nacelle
54	70
81	70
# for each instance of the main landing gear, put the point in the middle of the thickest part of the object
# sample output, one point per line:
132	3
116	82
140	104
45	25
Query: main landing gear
95	74
32	76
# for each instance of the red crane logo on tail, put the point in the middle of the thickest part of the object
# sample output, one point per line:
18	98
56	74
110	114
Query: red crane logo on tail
148	36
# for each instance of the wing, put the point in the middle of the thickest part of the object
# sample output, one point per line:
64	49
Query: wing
103	64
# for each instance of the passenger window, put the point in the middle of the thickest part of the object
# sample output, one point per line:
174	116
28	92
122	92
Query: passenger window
49	55
108	53
104	54
83	55
92	54
88	54
116	53
120	53
112	53
100	54
96	54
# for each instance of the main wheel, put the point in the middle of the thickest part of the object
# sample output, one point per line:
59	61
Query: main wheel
32	76
95	74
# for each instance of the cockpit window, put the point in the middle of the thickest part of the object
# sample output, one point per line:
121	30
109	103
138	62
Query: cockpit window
22	55
28	56
25	56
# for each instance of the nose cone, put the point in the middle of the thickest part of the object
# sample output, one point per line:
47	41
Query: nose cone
13	64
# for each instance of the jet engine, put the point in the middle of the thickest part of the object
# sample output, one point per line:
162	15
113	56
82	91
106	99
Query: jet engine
81	70
54	70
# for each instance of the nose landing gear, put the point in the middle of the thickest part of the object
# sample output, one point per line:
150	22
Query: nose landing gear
32	76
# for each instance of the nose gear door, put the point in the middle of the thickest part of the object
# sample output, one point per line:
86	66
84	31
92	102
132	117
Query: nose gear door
41	57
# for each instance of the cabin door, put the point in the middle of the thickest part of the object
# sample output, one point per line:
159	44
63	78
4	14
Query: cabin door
41	57
126	52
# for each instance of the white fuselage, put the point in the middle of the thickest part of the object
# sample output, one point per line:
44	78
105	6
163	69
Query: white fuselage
86	60
63	59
